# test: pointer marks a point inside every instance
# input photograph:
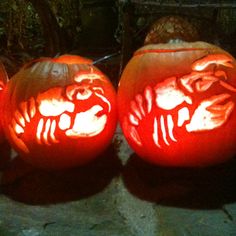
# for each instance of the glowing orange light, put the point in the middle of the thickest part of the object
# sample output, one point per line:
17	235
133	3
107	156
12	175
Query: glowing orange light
175	101
52	131
39	130
90	77
19	129
183	115
55	107
59	112
88	123
210	115
168	95
217	59
64	122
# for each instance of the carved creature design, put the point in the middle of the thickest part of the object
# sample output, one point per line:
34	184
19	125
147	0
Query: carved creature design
172	92
58	108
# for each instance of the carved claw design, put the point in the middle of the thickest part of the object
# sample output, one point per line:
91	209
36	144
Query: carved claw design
210	114
169	94
131	131
187	81
218	59
57	111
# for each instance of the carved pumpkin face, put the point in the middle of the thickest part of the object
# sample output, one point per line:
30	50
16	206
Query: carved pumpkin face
177	104
59	112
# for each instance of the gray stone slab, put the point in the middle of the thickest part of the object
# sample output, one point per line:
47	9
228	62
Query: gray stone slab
117	195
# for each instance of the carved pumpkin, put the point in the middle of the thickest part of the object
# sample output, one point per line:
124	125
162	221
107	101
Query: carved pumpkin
176	104
59	112
3	82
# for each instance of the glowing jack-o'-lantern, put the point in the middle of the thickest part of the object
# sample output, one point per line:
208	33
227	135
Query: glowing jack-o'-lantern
3	82
59	112
177	104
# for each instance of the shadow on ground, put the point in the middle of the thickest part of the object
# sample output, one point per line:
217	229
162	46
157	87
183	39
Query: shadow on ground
204	188
24	183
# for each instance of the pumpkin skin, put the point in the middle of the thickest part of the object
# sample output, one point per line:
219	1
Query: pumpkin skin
176	104
3	82
59	113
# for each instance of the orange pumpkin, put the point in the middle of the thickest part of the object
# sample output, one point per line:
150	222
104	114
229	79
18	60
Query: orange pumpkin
60	112
3	82
176	104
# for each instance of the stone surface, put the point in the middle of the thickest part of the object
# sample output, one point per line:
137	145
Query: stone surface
116	195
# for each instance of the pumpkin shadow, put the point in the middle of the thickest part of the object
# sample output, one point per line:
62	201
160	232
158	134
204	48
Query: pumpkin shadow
194	188
22	182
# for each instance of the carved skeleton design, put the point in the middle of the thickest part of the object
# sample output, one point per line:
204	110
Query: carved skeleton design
58	111
172	92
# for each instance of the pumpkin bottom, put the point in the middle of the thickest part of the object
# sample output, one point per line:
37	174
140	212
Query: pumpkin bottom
66	153
58	159
155	143
187	159
198	150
